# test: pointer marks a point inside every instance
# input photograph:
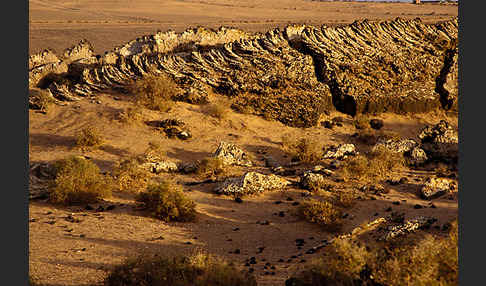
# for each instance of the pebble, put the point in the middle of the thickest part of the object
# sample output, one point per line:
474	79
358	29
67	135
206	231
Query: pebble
238	200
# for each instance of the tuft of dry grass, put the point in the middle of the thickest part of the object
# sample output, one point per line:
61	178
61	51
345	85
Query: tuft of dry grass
376	166
131	115
129	176
198	269
219	109
78	181
371	137
167	202
89	137
307	150
321	212
40	99
155	92
211	166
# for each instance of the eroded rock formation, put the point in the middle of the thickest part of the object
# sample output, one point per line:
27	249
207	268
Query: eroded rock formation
293	74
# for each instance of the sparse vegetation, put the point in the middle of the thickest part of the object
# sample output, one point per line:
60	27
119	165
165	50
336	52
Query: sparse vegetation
376	166
131	115
40	99
196	270
78	181
307	150
155	92
219	109
130	176
371	137
321	212
211	166
167	202
430	261
89	137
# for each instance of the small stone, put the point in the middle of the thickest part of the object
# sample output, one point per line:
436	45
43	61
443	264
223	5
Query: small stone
237	251
396	203
295	203
376	124
238	200
110	207
281	214
236	229
290	199
88	208
278	202
388	209
100	209
417	206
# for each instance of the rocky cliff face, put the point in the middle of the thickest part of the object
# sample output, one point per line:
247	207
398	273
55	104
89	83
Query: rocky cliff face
293	75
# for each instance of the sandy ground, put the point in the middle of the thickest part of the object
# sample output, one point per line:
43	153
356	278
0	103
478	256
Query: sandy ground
82	253
59	24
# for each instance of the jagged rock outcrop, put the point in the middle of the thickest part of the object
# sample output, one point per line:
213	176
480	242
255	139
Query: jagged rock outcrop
251	183
440	142
40	176
340	152
292	74
407	227
232	155
164	166
418	157
436	187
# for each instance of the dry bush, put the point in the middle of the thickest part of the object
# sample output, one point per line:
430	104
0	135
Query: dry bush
131	115
211	166
153	152
219	109
40	99
155	92
196	270
343	199
321	212
371	137
89	137
167	202
430	261
376	166
307	150
130	176
78	181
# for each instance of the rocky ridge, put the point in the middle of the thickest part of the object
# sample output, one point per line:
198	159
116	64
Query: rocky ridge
292	74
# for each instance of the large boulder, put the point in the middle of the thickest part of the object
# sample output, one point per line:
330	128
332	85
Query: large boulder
251	183
436	187
232	155
440	141
340	152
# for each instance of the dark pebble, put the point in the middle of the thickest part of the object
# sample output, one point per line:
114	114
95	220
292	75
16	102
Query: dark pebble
376	214
88	208
281	260
289	199
238	200
433	206
237	251
295	203
110	207
100	209
417	207
388	209
281	214
251	270
396	203
236	229
278	202
303	260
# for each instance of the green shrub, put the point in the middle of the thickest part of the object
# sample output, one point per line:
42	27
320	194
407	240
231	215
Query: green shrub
167	202
196	270
321	212
78	181
155	92
89	137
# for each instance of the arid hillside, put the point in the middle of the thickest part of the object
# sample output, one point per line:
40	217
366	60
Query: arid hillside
58	24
